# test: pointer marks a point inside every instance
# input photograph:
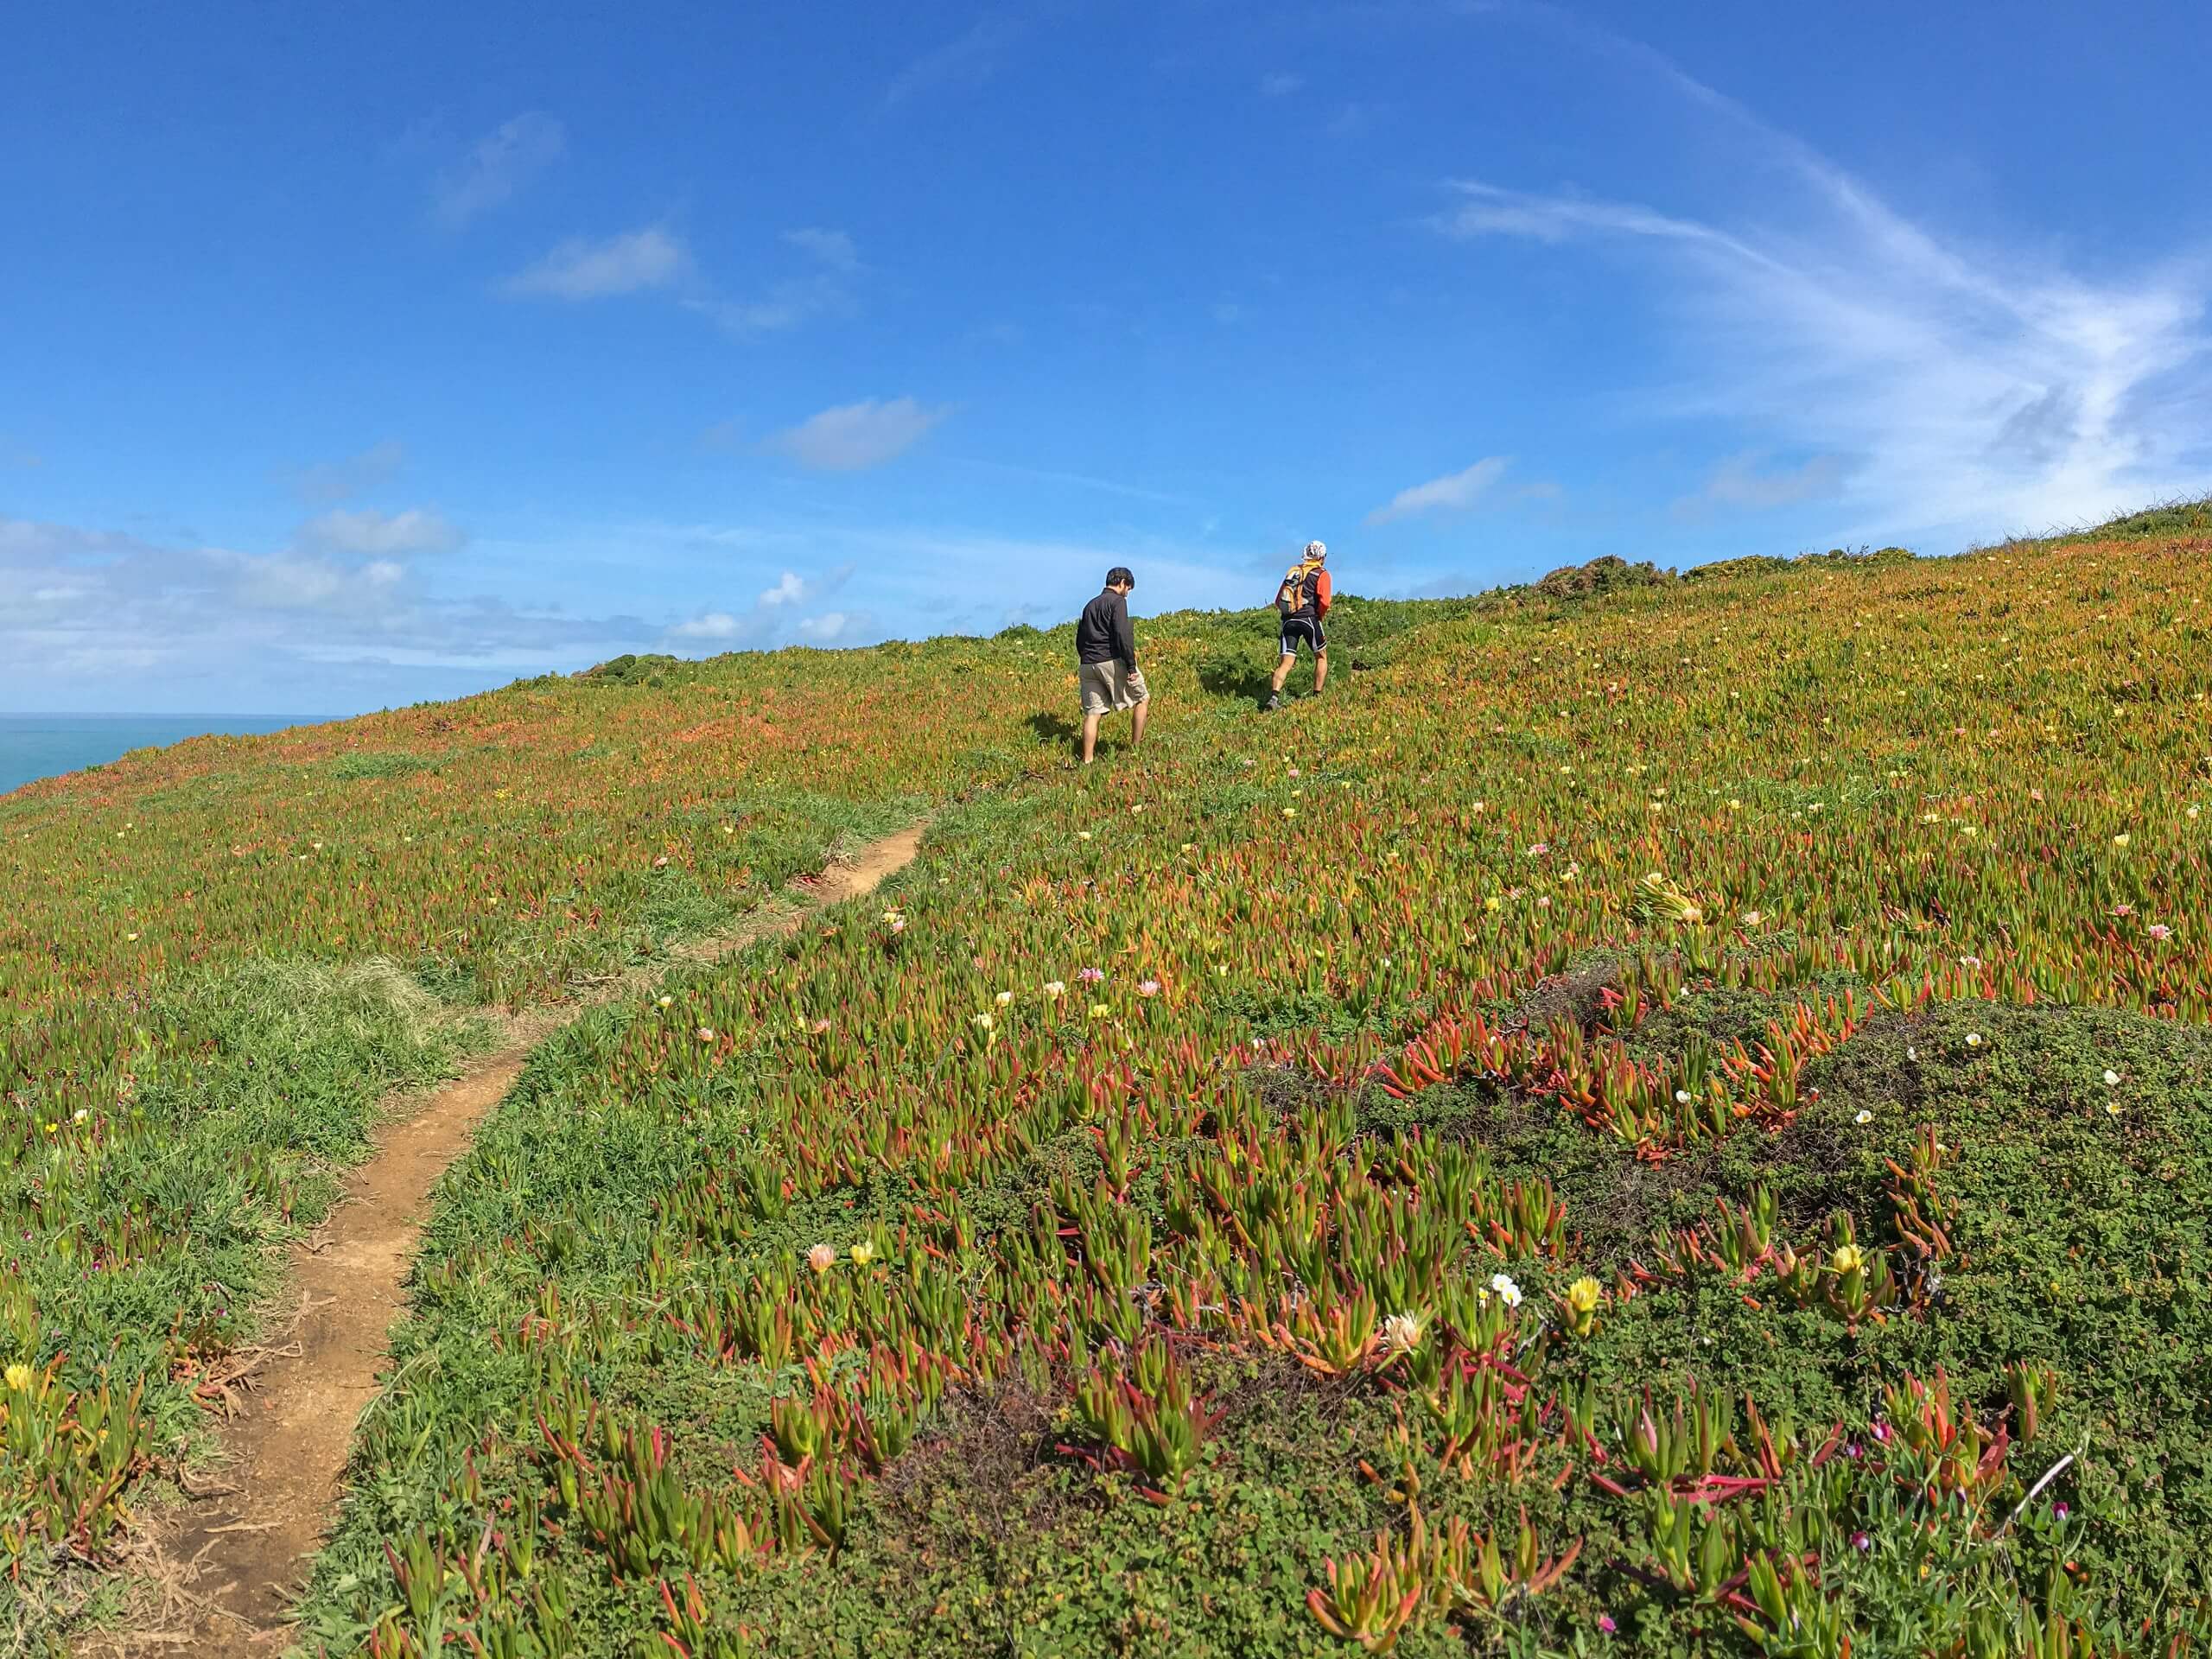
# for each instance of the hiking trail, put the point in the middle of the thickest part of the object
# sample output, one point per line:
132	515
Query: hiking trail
228	1567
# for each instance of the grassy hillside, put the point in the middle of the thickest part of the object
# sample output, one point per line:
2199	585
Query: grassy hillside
1652	1117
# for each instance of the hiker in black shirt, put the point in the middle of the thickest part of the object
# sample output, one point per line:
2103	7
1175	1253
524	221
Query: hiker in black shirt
1106	659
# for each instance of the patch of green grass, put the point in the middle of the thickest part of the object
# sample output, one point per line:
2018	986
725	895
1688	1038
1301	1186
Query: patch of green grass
2183	516
250	1089
391	763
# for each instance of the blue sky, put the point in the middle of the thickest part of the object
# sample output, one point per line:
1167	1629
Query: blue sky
350	356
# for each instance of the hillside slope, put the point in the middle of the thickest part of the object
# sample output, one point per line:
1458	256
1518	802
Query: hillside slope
1702	1084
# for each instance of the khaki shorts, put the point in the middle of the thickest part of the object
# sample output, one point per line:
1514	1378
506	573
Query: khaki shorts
1109	685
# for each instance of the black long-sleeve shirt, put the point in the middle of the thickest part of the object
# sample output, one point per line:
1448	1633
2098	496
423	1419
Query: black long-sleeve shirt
1102	633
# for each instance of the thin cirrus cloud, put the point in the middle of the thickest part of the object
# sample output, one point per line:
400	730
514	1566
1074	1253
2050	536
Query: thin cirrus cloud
826	286
367	534
335	480
582	268
655	259
1969	387
832	626
834	249
498	165
1742	481
853	436
1453	493
961	64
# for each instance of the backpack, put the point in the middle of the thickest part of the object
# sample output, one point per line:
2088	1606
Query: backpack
1293	594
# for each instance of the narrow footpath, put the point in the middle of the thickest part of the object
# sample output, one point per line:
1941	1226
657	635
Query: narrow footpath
228	1569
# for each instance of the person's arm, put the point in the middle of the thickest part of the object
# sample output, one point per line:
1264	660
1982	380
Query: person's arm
1322	595
1125	638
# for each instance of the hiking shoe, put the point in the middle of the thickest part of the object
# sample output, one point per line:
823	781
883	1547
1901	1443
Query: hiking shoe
1274	702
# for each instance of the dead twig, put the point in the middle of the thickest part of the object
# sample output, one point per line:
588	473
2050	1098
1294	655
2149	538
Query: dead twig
198	1493
2034	1492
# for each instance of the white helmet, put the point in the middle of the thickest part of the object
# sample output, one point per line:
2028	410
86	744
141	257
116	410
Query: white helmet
1316	550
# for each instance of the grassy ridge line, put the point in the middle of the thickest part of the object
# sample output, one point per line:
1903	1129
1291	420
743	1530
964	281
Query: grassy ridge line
1965	786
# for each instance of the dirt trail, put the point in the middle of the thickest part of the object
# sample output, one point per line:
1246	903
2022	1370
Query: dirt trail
229	1568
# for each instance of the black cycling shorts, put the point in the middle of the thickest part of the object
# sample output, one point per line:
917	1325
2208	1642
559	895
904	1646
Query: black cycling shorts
1306	630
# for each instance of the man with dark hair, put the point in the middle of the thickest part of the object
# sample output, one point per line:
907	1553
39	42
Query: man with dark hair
1106	659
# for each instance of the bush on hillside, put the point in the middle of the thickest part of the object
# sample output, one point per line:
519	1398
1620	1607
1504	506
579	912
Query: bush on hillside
1607	574
1759	564
654	668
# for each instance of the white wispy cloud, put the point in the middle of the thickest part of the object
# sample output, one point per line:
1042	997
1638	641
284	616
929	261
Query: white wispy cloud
832	626
852	436
961	64
833	248
1078	480
710	624
296	582
582	269
1453	493
774	616
366	533
334	481
1739	482
1941	386
320	629
1282	84
826	287
789	589
901	569
500	163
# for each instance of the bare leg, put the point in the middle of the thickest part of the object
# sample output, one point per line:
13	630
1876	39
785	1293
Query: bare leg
1090	736
1320	670
1137	736
1283	671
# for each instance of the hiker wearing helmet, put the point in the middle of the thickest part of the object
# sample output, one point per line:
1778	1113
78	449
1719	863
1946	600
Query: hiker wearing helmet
1302	600
1106	659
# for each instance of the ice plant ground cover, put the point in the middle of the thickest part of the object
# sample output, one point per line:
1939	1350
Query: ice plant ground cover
1674	1120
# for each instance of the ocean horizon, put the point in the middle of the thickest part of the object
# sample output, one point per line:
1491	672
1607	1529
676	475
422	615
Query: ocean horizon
43	745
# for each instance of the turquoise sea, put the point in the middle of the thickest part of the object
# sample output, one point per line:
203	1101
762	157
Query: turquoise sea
38	746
